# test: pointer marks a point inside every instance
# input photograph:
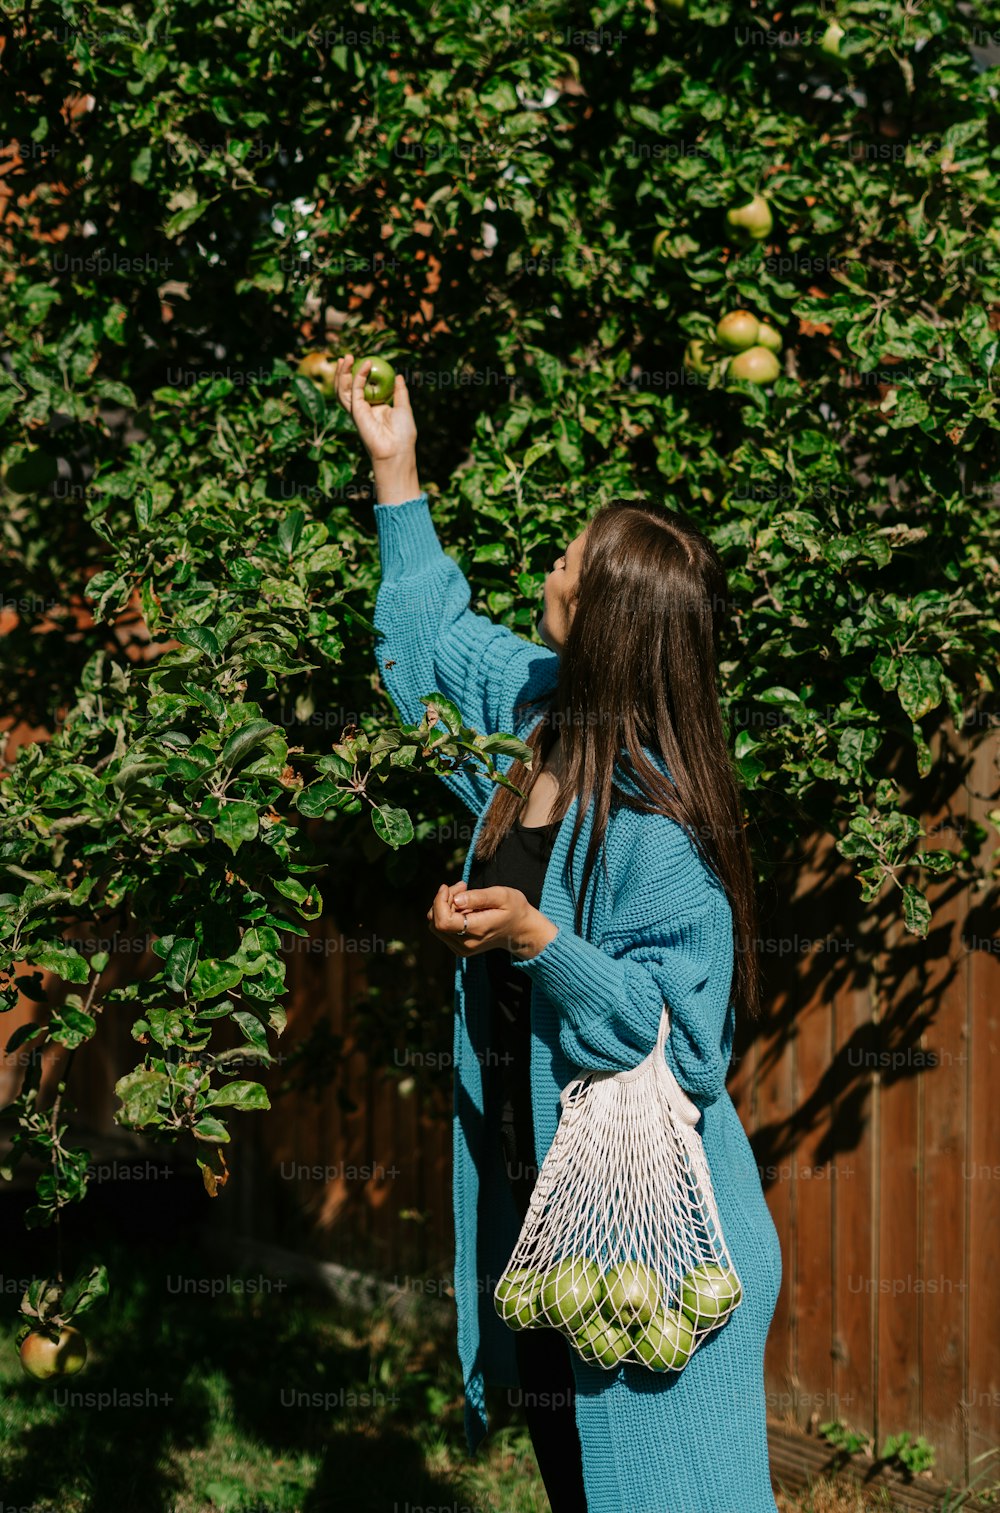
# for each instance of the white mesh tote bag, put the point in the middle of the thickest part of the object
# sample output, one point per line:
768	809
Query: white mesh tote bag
621	1249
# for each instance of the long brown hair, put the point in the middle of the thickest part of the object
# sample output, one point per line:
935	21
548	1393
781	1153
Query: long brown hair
640	668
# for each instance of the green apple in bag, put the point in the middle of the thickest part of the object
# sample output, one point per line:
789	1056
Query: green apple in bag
666	1342
708	1293
632	1293
518	1296
572	1290
602	1343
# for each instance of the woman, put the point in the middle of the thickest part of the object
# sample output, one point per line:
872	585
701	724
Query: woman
622	881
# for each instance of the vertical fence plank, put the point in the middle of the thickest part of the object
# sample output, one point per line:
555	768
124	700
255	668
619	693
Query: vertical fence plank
857	1156
981	1398
776	1089
943	1058
898	1300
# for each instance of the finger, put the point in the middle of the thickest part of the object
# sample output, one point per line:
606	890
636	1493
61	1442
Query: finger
343	380
480	898
441	910
401	397
358	379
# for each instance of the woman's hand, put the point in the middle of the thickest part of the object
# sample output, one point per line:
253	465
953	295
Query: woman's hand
497	917
388	431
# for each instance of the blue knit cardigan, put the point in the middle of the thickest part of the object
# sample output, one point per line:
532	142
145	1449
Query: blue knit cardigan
658	927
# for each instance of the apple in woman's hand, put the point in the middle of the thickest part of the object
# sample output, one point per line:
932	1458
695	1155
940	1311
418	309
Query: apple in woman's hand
321	369
43	1357
380	382
737	331
752	222
756	365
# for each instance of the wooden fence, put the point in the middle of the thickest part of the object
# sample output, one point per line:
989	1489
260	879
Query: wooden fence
867	1091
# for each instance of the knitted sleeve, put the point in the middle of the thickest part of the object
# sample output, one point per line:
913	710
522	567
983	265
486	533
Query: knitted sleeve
429	639
610	996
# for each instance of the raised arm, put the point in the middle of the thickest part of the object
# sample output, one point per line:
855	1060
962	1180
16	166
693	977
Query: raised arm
429	638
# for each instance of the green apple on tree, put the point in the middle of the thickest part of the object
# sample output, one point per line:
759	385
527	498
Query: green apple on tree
666	1342
751	222
603	1342
830	43
572	1290
768	337
632	1293
756	365
517	1297
380	382
321	369
43	1357
737	331
709	1293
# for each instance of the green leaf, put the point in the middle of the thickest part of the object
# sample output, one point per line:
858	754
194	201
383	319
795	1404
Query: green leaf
921	685
447	712
179	222
310	398
211	978
394	826
916	910
71	1027
64	961
506	745
243	741
237	824
201	637
240	1095
141	1092
179	964
252	1028
290	531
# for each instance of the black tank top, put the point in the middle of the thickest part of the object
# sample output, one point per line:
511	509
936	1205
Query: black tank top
519	862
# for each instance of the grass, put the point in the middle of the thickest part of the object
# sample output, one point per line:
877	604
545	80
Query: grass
257	1401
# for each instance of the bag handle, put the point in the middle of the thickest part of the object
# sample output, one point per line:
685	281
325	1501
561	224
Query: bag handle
682	1106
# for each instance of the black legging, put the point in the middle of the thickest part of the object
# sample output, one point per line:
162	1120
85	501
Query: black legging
548	1389
548	1399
